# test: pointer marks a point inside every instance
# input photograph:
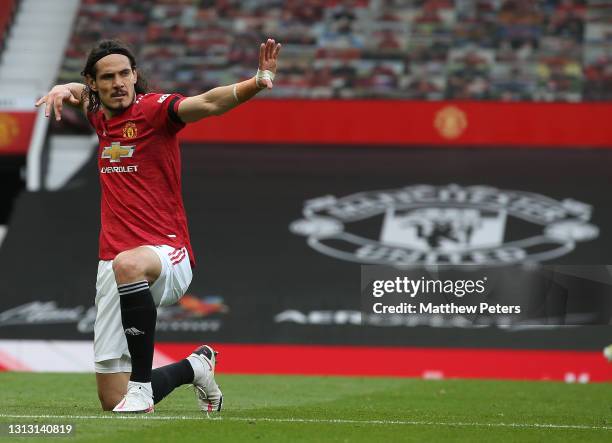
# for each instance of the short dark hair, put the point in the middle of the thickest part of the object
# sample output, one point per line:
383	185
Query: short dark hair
102	49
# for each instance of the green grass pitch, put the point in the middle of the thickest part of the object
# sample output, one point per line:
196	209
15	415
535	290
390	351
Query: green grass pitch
342	409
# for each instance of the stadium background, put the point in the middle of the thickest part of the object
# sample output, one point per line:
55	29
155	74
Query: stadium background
370	96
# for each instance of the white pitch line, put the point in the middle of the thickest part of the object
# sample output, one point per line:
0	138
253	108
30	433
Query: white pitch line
312	420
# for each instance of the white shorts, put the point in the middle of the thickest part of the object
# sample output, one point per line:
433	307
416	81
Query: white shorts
110	346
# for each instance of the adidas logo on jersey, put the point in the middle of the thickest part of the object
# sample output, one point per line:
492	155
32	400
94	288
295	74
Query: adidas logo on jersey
133	331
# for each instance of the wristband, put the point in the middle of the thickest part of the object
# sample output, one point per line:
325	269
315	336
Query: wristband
263	75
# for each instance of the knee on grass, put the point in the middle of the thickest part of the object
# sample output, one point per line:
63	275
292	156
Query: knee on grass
108	401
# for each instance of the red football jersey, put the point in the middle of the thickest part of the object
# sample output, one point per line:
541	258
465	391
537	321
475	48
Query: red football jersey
140	175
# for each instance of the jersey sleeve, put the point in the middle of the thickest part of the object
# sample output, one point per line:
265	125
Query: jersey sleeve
161	111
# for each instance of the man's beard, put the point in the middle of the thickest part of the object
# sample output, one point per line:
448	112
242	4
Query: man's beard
117	109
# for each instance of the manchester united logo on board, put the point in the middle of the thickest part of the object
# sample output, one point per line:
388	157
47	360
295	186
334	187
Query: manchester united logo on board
9	129
130	130
450	122
452	225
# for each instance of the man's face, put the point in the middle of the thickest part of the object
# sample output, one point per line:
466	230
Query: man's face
114	82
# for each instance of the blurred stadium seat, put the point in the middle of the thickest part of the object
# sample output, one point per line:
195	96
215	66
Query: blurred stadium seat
7	9
534	50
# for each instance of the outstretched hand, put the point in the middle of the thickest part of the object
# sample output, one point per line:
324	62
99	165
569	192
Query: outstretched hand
268	55
55	99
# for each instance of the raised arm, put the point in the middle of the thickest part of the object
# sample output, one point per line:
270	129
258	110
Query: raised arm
71	93
220	100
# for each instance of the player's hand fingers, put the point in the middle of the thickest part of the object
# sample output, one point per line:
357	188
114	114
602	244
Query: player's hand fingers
268	83
57	108
276	50
269	48
261	54
49	103
40	101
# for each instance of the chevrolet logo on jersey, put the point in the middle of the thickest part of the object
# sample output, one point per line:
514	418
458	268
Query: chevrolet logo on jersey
115	151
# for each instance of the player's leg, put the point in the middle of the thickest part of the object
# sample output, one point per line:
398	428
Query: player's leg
111	355
135	270
111	388
113	375
199	367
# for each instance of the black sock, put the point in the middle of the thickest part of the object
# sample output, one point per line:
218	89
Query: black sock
139	315
166	378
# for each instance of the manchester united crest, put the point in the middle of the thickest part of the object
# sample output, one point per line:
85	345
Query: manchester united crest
130	130
447	225
9	129
450	122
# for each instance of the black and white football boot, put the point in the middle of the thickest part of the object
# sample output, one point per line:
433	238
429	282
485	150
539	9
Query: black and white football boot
208	394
